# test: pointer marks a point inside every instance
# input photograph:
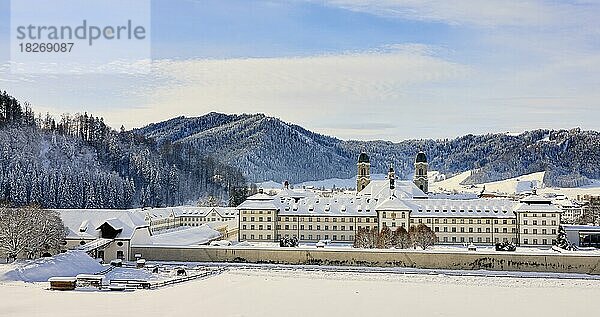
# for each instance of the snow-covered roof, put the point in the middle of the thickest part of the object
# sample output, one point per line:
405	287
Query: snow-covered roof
114	223
566	203
381	189
462	196
260	196
205	211
159	213
394	203
377	196
227	212
83	223
186	236
296	193
325	206
250	204
536	199
493	208
525	207
583	228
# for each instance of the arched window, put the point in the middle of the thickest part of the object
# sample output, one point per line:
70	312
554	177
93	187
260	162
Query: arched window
420	171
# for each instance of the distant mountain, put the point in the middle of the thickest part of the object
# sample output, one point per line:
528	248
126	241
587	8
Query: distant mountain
263	148
266	148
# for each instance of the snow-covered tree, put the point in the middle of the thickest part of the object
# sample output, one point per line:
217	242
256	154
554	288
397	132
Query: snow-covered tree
30	231
562	241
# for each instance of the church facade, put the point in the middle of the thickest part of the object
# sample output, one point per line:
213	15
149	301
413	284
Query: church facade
310	217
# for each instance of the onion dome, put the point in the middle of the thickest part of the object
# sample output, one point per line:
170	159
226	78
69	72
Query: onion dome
363	158
421	158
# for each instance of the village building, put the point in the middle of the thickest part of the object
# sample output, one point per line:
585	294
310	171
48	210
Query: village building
161	219
106	234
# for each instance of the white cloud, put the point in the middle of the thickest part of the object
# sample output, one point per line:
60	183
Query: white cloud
399	92
312	91
487	13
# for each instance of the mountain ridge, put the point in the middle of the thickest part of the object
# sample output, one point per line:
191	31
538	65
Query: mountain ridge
267	148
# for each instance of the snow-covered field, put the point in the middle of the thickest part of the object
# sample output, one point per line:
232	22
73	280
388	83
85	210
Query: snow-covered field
512	186
259	292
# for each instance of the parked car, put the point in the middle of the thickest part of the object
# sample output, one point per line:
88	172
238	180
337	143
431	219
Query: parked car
323	243
505	246
220	243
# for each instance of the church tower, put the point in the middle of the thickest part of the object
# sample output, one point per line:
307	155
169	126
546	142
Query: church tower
392	177
364	172
420	178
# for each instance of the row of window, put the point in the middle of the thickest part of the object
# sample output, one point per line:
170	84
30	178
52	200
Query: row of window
393	215
302	227
325	219
543	215
535	222
472	230
196	219
259	212
535	231
462	221
260	219
392	224
473	240
253	227
253	237
535	241
318	227
334	237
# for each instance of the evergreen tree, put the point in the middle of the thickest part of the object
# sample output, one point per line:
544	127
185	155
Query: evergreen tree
562	241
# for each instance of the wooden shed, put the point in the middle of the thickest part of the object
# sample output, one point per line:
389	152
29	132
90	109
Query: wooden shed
90	280
62	283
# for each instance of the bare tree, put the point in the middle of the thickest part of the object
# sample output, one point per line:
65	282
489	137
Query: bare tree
15	229
400	239
366	238
421	236
359	239
384	238
29	231
47	234
209	201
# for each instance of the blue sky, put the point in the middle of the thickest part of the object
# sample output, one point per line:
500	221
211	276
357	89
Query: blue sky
355	69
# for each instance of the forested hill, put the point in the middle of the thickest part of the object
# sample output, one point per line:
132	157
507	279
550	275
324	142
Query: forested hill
79	162
266	148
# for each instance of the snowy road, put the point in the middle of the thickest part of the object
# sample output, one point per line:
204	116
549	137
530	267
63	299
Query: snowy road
259	292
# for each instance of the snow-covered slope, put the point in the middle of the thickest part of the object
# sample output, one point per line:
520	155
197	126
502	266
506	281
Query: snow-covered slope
511	186
70	263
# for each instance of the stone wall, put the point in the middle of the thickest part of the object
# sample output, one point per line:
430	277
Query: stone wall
383	258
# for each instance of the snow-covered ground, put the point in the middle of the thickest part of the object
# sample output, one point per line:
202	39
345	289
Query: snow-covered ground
512	186
433	249
259	292
326	183
70	263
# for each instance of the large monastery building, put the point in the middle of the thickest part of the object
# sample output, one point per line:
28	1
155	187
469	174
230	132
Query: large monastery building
310	217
